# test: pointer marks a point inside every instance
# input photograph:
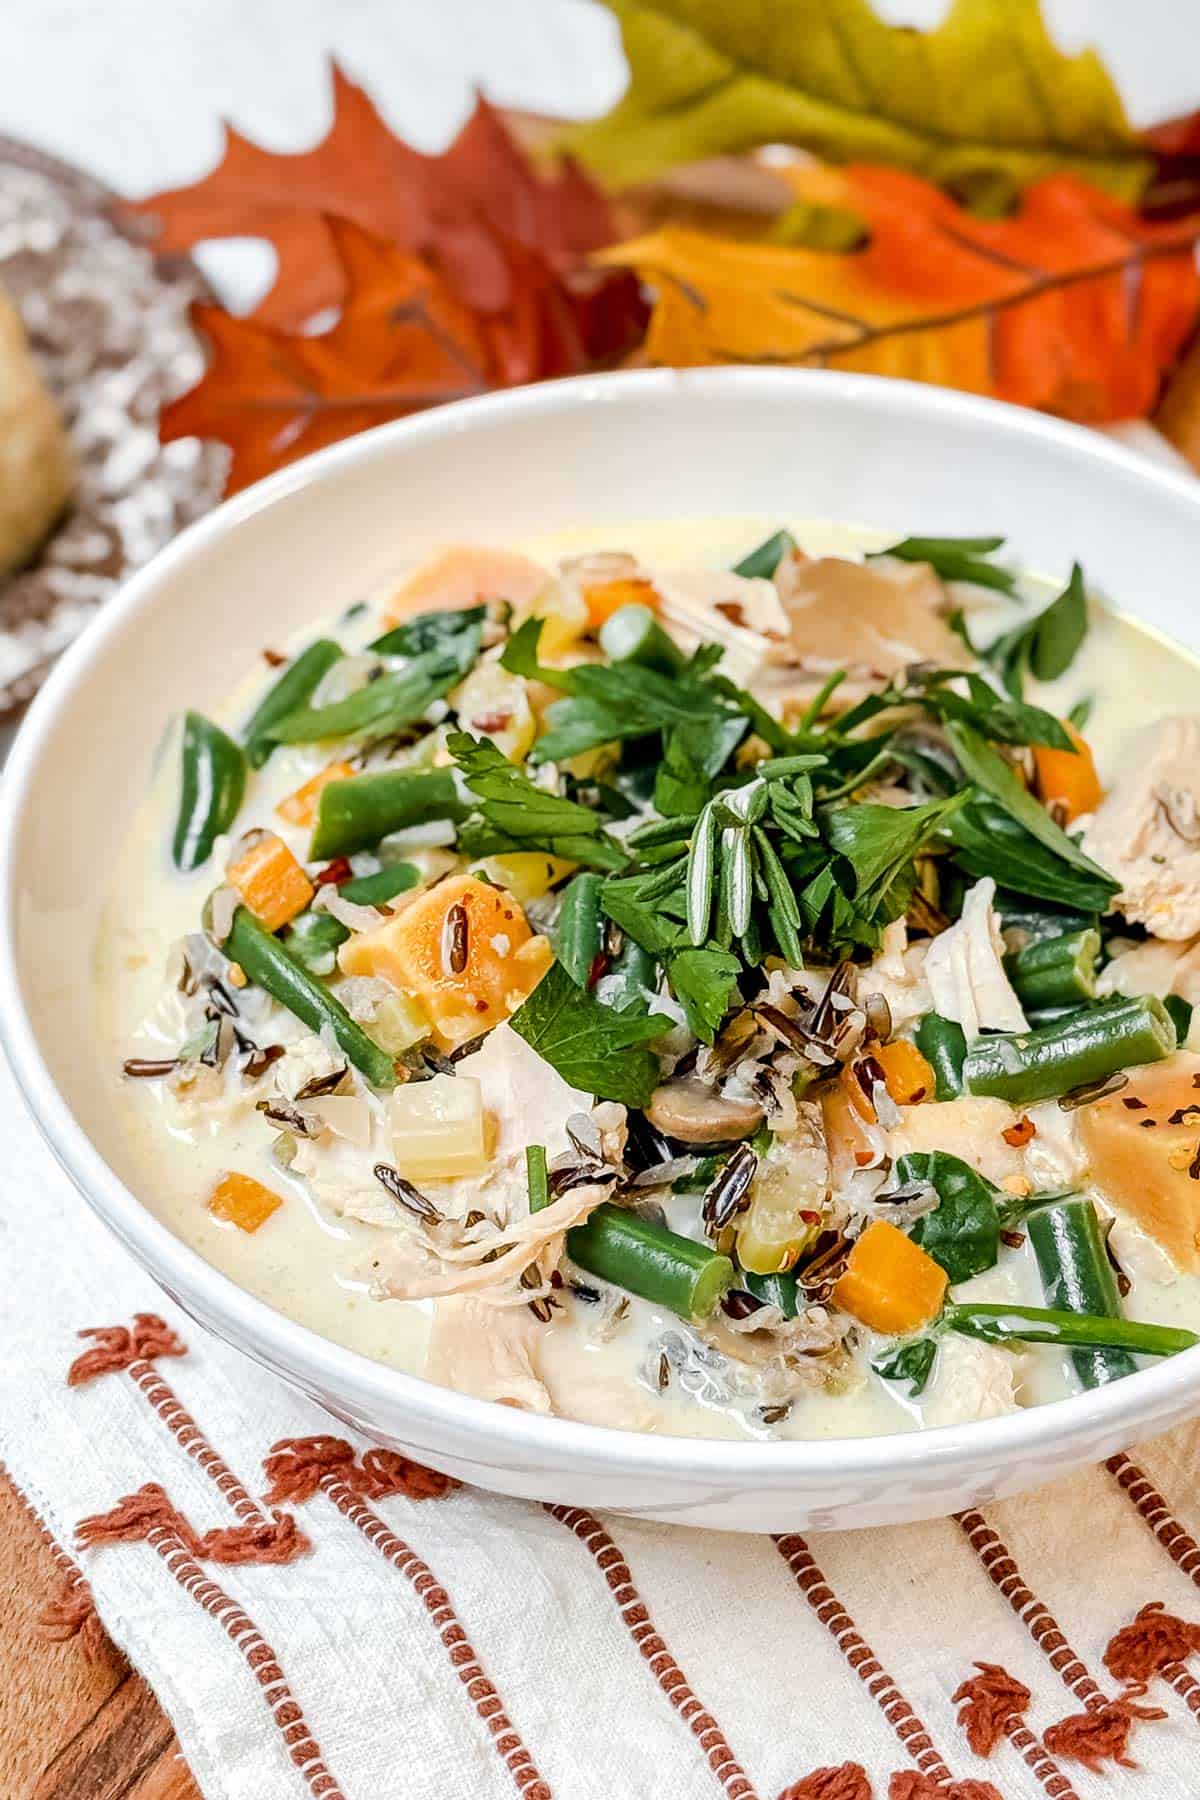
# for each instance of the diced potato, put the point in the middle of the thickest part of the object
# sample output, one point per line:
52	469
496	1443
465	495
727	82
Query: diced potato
566	616
348	1116
398	1023
526	874
502	960
1142	1145
889	1282
782	1219
438	1128
242	1201
270	882
300	807
463	576
494	704
604	598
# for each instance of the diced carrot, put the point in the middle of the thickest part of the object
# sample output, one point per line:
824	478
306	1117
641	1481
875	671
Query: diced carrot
242	1201
463	950
844	1121
271	882
907	1077
1067	778
889	1282
607	597
300	808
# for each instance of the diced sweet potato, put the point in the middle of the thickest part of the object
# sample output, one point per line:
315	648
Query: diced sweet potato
889	1282
300	808
1143	1147
242	1201
907	1078
464	576
464	950
604	598
1067	779
270	882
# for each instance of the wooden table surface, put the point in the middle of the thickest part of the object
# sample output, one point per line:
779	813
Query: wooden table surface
70	1728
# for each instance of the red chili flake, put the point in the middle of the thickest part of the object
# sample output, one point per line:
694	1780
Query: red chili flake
599	967
1147	1124
1014	1239
274	659
810	1218
1133	1103
493	721
1018	1135
335	873
863	1158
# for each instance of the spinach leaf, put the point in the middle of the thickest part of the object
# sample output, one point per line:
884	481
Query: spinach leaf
912	1362
962	1233
593	1047
433	631
988	770
385	705
702	981
1045	646
956	559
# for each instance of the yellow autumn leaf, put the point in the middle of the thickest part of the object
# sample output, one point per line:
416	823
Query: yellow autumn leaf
985	104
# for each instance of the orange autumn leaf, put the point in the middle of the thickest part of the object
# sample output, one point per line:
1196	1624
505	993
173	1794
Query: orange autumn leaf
456	209
401	343
1073	304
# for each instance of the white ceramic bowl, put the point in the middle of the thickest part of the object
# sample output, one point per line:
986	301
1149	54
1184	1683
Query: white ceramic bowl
313	539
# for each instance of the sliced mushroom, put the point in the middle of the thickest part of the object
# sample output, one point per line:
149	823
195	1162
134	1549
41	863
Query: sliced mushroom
696	1114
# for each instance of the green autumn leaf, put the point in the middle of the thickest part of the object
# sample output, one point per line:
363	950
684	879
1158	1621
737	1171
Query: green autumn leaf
985	104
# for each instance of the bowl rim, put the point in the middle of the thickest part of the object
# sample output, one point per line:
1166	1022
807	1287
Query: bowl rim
283	1344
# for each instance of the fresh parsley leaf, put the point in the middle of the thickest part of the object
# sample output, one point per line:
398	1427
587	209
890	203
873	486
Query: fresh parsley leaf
702	981
514	813
912	1362
385	705
646	921
987	841
1046	646
594	1048
1005	721
880	843
962	1233
693	753
433	631
956	559
611	701
988	770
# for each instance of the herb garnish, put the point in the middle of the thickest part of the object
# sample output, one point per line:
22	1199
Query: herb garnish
593	1047
513	812
956	559
1045	646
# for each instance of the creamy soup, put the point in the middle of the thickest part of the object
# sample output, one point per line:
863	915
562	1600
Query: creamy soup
699	978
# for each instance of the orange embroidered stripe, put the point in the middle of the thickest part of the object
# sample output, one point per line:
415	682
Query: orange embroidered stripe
1036	1618
670	1676
187	1434
71	1612
1179	1544
241	1630
845	1634
464	1660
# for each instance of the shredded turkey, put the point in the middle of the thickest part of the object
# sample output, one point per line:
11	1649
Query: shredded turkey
898	973
492	1355
970	1381
874	616
964	967
510	1249
1145	831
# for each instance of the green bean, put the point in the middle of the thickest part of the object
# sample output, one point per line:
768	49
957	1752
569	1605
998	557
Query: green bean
1030	921
268	963
1078	1277
354	814
1085	1046
315	937
1000	1324
1055	971
668	1270
766	557
772	1290
536	1179
1180	1011
213	780
375	709
294	689
632	979
943	1044
633	635
579	928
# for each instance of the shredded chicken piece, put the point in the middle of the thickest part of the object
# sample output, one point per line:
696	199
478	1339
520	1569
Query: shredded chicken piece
742	613
964	967
492	1355
1155	967
877	616
511	1249
898	973
1145	830
972	1128
972	1380
308	1059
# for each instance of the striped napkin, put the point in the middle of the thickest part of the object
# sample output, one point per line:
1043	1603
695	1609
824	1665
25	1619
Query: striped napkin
320	1618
